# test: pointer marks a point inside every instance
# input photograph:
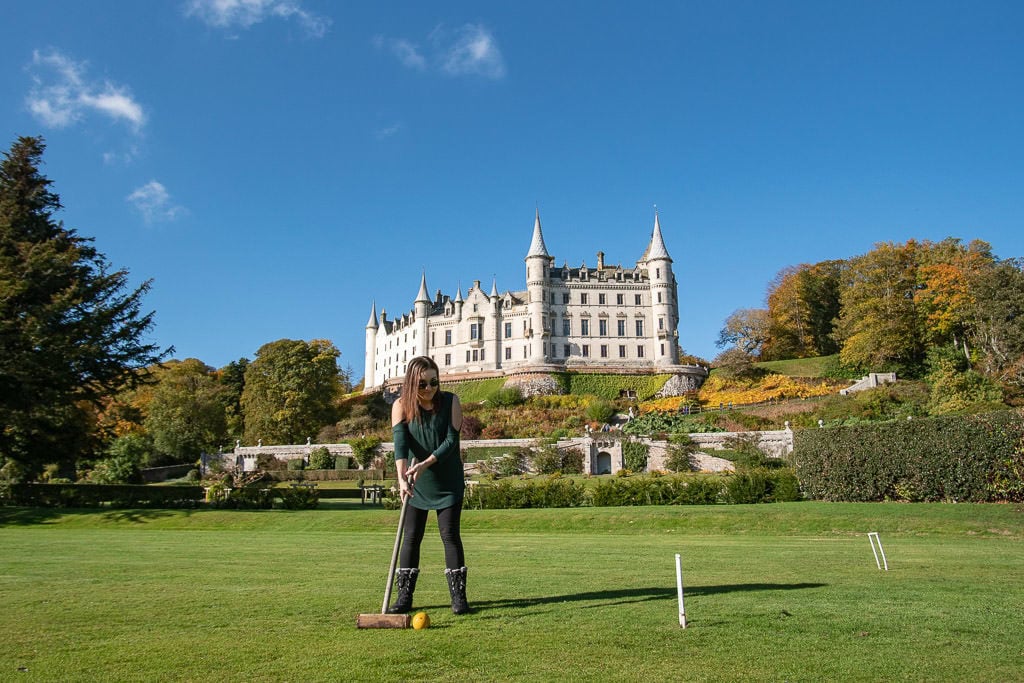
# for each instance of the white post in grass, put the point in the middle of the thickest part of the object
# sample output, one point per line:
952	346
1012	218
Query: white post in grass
872	538
679	589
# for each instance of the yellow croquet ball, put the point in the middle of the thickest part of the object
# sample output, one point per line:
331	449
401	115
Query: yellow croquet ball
420	620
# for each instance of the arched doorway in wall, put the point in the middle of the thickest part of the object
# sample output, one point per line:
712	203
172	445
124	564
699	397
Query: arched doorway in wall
604	463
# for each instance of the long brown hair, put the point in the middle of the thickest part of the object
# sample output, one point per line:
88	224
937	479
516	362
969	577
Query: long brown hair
413	373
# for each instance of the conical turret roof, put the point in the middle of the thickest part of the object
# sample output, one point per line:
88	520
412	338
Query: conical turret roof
537	246
423	296
656	249
372	322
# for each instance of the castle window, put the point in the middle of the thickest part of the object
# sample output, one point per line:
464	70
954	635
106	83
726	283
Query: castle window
602	327
447	337
565	298
583	298
661	323
659	297
639	352
467	356
508	353
476	354
476	331
622	328
447	359
639	328
657	272
482	353
552	297
508	330
638	299
601	299
586	350
526	353
663	349
585	327
622	350
619	298
432	341
566	349
566	327
604	350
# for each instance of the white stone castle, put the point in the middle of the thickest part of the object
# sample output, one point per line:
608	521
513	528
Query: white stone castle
609	318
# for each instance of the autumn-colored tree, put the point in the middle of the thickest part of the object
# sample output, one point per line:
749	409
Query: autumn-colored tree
788	333
879	326
746	329
947	283
997	330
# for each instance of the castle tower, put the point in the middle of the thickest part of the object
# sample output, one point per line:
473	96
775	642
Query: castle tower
422	309
537	260
663	300
371	348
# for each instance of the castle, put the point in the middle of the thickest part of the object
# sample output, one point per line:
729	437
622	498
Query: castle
609	318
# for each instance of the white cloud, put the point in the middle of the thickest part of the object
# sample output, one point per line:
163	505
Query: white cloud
468	50
154	203
389	131
473	51
62	94
244	14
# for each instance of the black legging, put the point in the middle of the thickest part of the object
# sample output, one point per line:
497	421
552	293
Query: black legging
448	523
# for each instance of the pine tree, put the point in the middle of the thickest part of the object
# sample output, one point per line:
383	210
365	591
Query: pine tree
70	329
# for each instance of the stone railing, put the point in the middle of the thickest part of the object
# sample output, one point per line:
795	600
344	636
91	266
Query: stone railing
601	450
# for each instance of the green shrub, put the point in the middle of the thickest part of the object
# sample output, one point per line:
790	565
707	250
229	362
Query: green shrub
299	498
680	453
320	458
364	449
547	460
506	397
955	458
572	461
634	455
97	495
599	410
296	464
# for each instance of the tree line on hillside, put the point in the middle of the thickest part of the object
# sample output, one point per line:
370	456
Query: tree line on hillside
917	308
83	395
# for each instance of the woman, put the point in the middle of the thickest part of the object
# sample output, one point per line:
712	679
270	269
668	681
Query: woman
425	425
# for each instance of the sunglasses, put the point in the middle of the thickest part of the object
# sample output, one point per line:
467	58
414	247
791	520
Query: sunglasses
431	383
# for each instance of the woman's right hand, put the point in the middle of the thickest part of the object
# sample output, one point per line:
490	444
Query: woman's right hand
405	487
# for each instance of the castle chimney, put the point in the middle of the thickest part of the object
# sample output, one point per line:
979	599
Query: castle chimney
600	260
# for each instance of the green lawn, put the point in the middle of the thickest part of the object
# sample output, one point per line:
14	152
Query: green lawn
774	592
799	367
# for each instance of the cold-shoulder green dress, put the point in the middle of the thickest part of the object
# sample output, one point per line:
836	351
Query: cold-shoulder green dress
443	484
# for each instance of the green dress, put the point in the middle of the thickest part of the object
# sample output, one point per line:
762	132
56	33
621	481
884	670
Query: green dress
444	483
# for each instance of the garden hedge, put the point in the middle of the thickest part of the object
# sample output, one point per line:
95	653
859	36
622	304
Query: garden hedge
969	458
113	495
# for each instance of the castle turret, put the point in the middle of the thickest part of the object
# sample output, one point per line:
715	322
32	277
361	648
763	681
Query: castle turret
421	307
664	308
370	366
537	260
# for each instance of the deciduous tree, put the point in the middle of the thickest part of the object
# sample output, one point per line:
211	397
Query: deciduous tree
290	391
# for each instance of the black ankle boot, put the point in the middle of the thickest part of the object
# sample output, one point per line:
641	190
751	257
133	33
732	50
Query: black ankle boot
406	580
457	587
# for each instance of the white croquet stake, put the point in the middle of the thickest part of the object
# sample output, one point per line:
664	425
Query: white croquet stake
679	590
874	538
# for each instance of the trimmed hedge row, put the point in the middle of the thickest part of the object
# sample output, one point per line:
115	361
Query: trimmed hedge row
96	495
968	458
754	486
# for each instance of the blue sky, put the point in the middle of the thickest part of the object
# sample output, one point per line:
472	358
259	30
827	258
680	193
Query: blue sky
276	166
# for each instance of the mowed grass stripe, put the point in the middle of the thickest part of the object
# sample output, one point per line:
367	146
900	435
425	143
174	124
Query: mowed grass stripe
134	600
